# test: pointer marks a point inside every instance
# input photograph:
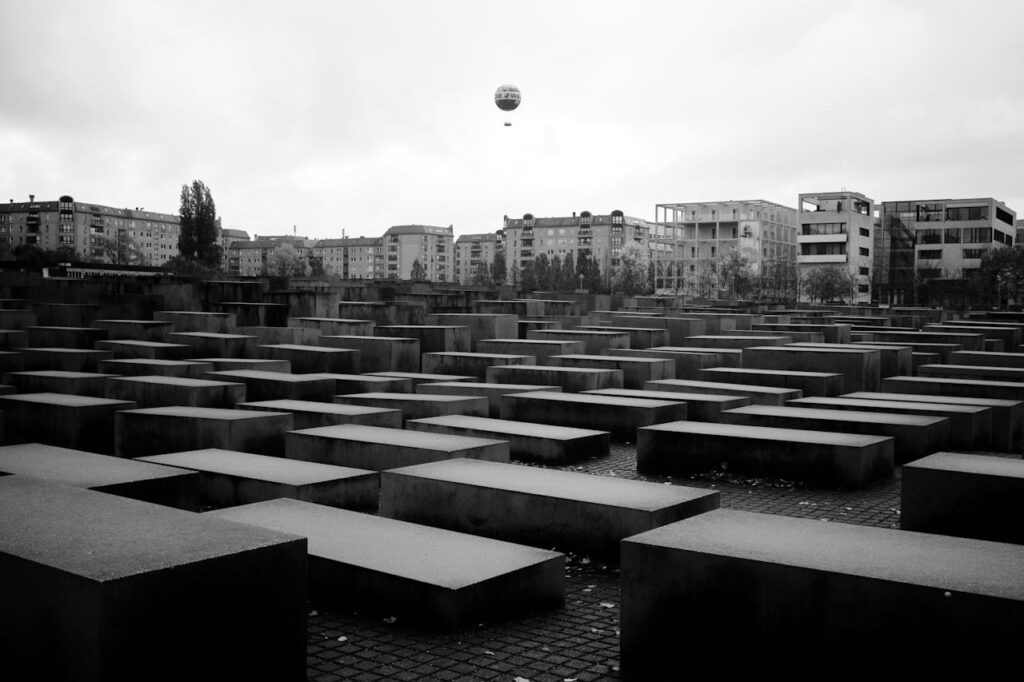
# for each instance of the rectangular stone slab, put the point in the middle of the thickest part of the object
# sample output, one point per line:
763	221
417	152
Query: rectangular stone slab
480	325
70	421
64	359
380	353
228	478
436	578
527	442
260	385
594	342
619	416
148	391
540	349
493	392
811	383
308	359
861	369
308	414
366	383
64	337
471	364
569	379
965	357
418	406
914	435
260	364
966	495
687	362
759	395
635	371
211	344
951	371
639	337
970	428
196	321
100	587
376	448
157	430
125	477
804	589
735	342
844	459
701	407
334	326
892	360
55	381
423	377
146	350
539	507
137	330
433	338
193	369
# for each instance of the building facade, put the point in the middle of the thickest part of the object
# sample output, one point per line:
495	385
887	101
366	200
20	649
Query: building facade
433	247
93	231
249	258
837	229
474	252
601	237
352	258
930	239
691	239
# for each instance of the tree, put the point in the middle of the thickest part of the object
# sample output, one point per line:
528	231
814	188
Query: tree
481	275
514	275
285	261
567	273
1000	279
529	275
706	283
419	273
734	274
778	281
630	276
199	228
588	266
542	270
828	283
498	270
119	249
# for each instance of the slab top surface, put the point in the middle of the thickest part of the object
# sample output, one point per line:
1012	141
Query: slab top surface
212	335
980	465
725	387
258	467
76	467
419	375
604	490
838	415
420	553
909	404
284	377
768	433
478	385
65	351
671	396
105	537
939	399
58	374
412	397
218	413
593	399
158	363
397	437
286	405
559	370
942	562
309	349
613	359
781	372
508	426
174	381
64	400
142	344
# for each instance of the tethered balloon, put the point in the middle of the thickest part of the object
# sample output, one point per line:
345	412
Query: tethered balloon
507	98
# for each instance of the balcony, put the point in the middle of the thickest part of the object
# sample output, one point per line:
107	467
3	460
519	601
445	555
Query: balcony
815	260
821	238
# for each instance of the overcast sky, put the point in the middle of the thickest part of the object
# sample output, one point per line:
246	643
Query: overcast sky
357	116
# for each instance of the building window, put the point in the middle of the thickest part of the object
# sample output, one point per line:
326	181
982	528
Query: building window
930	254
865	232
864	251
863	288
977	235
933	236
865	271
974	253
953	235
967	213
823	228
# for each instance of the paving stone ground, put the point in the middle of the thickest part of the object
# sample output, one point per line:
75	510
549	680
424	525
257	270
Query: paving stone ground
579	641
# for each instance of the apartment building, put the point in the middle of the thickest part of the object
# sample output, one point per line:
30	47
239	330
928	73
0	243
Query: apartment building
352	257
473	252
601	236
433	247
92	231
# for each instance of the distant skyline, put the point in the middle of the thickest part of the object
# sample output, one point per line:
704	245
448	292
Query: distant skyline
336	115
